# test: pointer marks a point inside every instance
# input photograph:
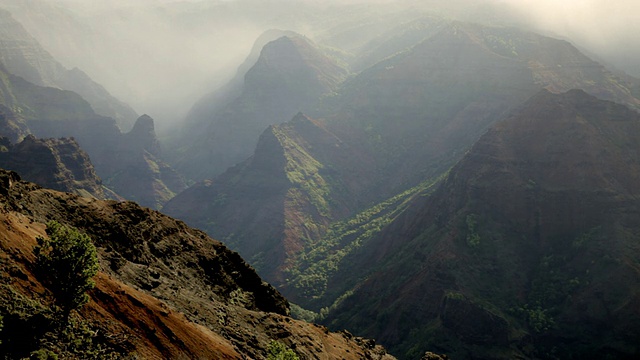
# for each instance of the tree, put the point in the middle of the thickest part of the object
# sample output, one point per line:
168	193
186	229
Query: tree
68	261
279	351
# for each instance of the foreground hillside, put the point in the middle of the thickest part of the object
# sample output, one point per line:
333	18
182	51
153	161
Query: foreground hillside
164	290
528	249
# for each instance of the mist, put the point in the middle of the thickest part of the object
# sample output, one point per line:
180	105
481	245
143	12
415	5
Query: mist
607	29
161	56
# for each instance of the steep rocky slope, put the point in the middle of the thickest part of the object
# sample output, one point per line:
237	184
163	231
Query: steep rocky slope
164	290
289	76
24	56
58	164
529	248
292	194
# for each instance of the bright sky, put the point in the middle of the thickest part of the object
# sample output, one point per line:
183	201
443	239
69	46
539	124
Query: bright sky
611	28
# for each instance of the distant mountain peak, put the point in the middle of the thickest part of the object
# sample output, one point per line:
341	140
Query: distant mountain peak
143	134
297	59
144	124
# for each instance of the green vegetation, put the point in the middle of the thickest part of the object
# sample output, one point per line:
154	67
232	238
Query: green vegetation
297	312
538	319
585	238
473	239
32	330
31	327
303	170
279	351
323	257
67	262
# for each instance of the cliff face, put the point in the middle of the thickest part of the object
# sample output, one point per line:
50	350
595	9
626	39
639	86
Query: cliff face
526	246
166	289
12	126
58	164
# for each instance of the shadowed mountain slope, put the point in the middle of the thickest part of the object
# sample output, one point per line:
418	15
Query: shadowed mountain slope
422	108
286	185
200	114
528	248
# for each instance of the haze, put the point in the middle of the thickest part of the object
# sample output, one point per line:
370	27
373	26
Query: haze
161	56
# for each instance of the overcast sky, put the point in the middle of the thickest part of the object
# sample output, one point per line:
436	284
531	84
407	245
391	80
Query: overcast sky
610	28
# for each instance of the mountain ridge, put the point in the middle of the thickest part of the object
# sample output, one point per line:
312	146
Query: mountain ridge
521	235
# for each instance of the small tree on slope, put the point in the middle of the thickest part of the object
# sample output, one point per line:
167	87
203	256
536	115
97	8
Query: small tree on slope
68	261
279	351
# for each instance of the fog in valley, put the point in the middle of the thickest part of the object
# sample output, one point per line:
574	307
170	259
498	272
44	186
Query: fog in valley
161	56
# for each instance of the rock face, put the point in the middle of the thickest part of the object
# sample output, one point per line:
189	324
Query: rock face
24	56
527	246
58	164
289	76
164	290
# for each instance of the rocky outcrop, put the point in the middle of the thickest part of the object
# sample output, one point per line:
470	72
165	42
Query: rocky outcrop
143	135
58	164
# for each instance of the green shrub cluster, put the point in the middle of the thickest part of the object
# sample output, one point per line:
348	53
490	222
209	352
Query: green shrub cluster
324	257
279	351
67	262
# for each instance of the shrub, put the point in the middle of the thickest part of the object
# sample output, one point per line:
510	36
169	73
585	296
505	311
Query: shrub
68	262
279	351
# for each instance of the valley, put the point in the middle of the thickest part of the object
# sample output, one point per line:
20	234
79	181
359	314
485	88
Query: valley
443	179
